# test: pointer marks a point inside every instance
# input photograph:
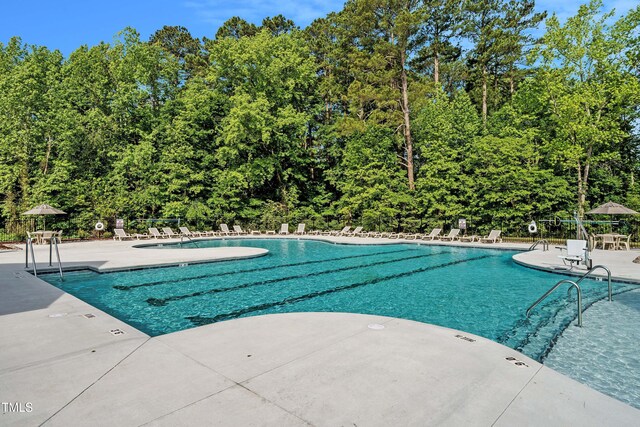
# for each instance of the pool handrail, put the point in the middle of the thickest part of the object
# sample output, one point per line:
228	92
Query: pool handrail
545	245
584	276
53	242
546	294
182	236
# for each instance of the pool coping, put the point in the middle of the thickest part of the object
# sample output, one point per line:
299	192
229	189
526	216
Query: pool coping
54	270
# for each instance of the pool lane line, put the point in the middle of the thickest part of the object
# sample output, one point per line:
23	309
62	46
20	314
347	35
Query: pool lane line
163	301
202	320
251	270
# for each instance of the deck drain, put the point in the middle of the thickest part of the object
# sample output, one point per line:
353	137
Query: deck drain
117	332
375	326
89	315
57	315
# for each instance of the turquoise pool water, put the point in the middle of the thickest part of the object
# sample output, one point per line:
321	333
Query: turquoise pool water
604	351
481	291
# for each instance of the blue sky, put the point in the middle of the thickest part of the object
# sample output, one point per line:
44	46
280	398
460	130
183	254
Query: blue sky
68	24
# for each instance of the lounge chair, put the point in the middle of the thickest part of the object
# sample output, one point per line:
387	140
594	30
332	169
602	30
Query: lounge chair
398	235
153	231
336	232
435	233
169	232
453	235
120	234
300	229
346	232
469	238
239	231
577	252
413	236
493	237
186	232
284	229
224	229
355	232
380	234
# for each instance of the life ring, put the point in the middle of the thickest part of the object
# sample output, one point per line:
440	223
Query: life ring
533	228
99	226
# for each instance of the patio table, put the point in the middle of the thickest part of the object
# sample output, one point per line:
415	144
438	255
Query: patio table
37	236
614	236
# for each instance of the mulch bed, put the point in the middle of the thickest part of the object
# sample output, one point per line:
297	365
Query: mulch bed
7	247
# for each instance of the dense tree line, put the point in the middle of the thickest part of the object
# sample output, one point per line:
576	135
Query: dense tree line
389	113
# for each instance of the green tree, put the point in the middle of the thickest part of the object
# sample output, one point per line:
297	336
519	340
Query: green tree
590	91
185	48
29	130
509	186
441	27
444	131
383	36
278	25
371	186
236	27
499	32
515	40
483	28
269	83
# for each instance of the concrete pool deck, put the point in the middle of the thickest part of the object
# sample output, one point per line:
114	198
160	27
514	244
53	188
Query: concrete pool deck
620	263
77	365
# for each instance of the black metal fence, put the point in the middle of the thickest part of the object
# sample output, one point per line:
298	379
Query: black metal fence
83	228
76	227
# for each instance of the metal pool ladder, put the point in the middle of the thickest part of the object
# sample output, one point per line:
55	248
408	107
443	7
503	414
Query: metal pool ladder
579	291
543	242
53	242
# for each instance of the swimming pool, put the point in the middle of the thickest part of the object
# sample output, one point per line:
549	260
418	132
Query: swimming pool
481	291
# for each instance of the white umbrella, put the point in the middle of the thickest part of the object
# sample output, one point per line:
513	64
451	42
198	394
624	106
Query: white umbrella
611	208
44	210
